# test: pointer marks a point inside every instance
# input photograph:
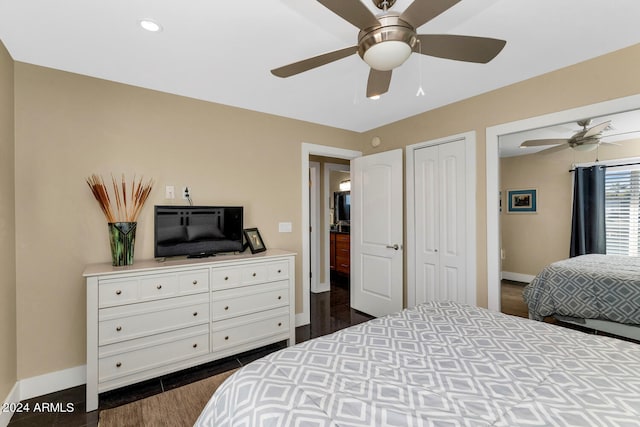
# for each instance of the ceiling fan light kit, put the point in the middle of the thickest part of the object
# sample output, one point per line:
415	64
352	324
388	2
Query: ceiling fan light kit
388	46
386	41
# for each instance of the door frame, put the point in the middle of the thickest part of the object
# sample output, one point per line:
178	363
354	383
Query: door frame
307	149
493	174
314	223
470	183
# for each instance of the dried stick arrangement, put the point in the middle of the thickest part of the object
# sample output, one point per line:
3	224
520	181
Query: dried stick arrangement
127	204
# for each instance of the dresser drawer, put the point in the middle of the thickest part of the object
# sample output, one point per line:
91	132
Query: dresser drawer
243	330
138	320
127	290
249	299
128	358
224	278
117	292
158	286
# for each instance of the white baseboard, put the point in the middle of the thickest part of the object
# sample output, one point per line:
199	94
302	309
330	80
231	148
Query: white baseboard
13	397
302	319
517	277
53	381
321	287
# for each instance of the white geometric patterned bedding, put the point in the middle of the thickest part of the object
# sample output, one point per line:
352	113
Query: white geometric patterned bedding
593	286
438	364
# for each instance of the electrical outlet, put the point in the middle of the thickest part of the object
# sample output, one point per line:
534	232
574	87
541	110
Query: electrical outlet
186	193
169	192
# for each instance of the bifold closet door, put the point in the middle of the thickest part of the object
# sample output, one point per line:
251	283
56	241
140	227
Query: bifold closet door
440	222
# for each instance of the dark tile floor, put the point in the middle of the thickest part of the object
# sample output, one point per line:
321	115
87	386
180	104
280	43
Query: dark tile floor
330	311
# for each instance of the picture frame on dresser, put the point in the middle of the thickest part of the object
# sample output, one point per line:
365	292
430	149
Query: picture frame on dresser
254	240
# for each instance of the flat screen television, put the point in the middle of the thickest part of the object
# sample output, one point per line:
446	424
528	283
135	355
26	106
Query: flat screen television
342	204
197	231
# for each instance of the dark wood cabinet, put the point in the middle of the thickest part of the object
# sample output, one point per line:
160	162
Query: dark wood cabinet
340	253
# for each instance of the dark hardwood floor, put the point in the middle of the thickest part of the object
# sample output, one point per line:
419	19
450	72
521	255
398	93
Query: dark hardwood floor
330	312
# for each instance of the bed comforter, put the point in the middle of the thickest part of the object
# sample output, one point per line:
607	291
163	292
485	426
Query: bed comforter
592	286
440	363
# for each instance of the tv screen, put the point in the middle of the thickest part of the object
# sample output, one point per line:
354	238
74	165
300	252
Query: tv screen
197	231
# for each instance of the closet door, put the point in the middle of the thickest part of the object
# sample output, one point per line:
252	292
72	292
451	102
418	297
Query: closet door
440	222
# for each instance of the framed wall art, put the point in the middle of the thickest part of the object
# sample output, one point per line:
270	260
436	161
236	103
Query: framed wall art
522	201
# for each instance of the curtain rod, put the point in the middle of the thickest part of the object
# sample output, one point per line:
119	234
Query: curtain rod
611	166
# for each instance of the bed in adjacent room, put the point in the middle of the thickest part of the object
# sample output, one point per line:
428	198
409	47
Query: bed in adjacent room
598	291
440	363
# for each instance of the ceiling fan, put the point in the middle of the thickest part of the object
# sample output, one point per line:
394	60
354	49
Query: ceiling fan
584	140
386	41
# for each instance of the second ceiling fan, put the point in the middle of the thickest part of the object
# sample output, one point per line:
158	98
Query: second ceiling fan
386	41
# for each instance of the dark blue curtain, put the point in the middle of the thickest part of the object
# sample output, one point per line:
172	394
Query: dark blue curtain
588	223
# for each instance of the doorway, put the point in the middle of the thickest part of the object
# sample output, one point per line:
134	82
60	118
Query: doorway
308	150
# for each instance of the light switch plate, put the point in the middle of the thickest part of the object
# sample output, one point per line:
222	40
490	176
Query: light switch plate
284	227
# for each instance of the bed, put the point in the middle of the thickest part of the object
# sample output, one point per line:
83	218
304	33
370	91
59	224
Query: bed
603	287
440	363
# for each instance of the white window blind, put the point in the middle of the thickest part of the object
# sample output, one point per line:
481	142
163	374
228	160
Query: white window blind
622	210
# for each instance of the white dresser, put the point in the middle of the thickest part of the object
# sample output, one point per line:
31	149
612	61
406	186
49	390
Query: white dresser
152	318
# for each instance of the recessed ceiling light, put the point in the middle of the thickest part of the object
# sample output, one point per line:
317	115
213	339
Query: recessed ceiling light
150	25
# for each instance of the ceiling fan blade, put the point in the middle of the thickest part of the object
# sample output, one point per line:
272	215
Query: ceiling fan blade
422	11
460	48
597	129
353	11
543	142
316	61
630	134
554	149
378	82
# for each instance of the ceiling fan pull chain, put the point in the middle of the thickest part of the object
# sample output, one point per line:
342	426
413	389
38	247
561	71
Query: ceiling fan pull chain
420	90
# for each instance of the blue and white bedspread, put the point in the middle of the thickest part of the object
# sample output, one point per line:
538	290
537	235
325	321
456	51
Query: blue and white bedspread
605	287
443	364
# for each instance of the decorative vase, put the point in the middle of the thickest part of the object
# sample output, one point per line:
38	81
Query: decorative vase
122	236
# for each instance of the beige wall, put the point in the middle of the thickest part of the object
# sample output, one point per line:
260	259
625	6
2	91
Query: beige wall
531	241
69	126
608	77
7	230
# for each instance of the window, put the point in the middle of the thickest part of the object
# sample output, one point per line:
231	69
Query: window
622	210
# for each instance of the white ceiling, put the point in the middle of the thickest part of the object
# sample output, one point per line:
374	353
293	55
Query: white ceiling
222	52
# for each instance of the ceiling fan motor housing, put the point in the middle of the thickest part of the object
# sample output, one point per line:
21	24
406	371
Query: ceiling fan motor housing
382	56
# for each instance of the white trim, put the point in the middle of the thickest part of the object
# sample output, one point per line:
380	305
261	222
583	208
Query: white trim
12	397
52	381
493	175
517	277
314	172
307	149
470	183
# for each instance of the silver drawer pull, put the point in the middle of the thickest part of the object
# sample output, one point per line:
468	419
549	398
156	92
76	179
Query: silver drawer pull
159	287
226	338
195	282
118	292
195	313
195	345
118	364
118	328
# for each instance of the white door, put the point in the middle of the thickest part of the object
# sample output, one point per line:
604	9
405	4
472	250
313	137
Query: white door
376	233
440	212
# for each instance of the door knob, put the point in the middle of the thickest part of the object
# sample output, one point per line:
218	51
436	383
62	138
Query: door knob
394	247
